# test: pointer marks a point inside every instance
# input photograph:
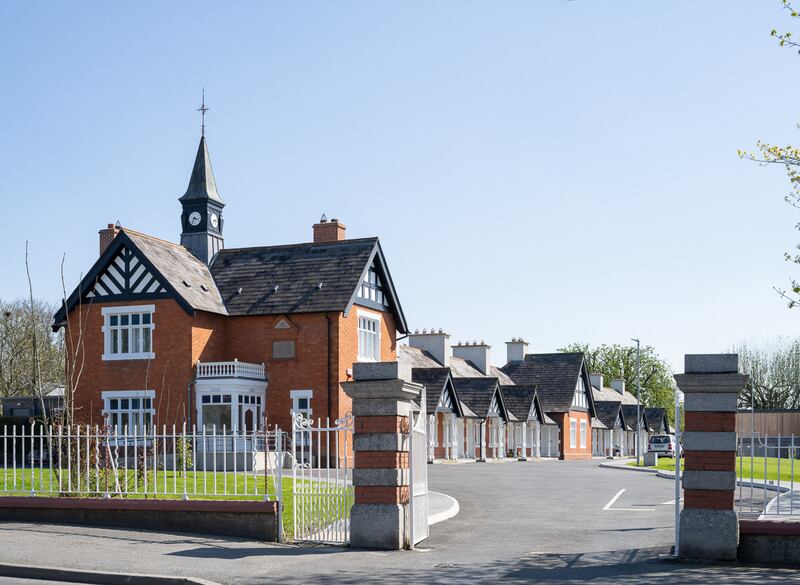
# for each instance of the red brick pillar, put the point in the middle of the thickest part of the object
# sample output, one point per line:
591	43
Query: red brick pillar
709	527
382	403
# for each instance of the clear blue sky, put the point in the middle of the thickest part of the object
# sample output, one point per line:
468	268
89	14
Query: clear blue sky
552	169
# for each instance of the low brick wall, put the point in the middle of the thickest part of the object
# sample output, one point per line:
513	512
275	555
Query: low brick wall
770	541
257	520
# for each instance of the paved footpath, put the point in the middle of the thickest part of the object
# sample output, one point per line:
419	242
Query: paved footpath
548	522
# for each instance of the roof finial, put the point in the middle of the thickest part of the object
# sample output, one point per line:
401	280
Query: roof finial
203	109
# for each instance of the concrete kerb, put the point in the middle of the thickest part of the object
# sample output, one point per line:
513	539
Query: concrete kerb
441	507
666	474
94	577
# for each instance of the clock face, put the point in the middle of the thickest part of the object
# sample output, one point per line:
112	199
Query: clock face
194	218
214	219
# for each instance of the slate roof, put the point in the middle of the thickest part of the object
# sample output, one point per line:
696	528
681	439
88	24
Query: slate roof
435	380
174	264
607	411
416	358
519	399
477	394
555	376
629	414
460	368
656	420
310	277
178	265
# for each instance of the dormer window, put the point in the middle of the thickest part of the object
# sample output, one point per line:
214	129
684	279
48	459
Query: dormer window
372	288
128	332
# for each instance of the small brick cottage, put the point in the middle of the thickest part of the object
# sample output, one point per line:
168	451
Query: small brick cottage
164	333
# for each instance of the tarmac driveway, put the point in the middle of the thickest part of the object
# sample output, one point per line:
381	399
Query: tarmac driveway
519	522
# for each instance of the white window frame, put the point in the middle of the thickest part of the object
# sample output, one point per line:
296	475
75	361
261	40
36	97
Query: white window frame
119	395
367	338
296	396
108	312
583	434
573	431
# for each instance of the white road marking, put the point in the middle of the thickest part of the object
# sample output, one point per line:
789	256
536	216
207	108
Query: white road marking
614	499
670	503
608	507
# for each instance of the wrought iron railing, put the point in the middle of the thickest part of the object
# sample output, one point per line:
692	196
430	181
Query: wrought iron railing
768	475
151	462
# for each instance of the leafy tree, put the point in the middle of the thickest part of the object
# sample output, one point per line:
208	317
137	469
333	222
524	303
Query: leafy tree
619	362
774	371
24	326
788	157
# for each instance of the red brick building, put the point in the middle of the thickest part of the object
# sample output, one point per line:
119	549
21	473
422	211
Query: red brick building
565	392
199	334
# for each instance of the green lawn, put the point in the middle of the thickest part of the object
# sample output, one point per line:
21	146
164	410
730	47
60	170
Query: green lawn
744	471
199	486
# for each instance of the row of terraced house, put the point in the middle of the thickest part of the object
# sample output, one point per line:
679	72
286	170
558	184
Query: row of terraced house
197	334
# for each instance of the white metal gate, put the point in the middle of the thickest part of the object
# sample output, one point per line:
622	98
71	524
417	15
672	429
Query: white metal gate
418	480
322	479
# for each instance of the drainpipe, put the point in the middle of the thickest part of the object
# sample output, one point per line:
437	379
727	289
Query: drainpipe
330	393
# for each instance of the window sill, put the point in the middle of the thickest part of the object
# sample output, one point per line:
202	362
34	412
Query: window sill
115	357
366	359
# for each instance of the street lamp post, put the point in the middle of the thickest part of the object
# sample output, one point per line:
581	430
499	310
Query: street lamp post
638	402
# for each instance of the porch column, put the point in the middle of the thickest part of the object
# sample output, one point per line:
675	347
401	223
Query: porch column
432	430
382	404
483	428
549	448
453	437
524	455
537	438
709	526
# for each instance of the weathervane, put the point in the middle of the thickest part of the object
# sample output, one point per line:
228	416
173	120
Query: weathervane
203	109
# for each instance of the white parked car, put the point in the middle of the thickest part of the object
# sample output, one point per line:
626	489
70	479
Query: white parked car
662	445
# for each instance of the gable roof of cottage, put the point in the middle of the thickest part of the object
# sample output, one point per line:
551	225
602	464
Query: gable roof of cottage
439	385
656	420
629	414
521	400
480	395
136	265
608	412
555	376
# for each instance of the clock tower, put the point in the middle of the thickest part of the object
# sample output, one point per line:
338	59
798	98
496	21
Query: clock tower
201	219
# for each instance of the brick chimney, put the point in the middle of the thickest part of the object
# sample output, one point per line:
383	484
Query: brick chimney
107	236
328	231
597	380
619	386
